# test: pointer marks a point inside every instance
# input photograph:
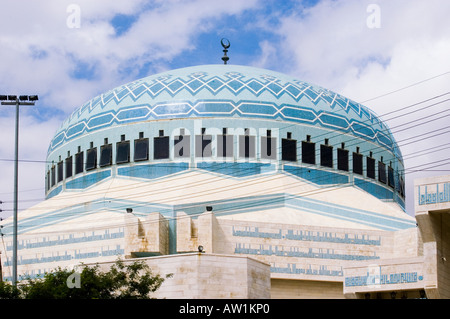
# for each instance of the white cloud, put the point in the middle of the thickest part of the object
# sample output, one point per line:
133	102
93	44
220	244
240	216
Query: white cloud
48	51
331	43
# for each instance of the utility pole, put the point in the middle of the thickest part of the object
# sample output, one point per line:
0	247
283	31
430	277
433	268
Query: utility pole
13	100
1	235
1	270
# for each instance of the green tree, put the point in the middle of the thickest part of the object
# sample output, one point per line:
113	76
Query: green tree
8	291
133	280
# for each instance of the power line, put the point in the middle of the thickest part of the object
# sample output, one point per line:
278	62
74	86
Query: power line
327	133
427	151
407	87
302	194
241	185
237	206
235	164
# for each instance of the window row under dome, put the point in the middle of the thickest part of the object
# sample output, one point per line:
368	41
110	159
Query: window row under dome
163	148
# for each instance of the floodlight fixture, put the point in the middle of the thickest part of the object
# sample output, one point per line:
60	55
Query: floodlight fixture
12	97
33	98
23	97
3	97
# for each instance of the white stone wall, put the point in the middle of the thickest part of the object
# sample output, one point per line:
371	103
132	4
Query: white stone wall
294	251
305	289
210	276
149	234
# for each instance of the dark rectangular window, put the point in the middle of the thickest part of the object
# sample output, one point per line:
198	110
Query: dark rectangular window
268	147
247	145
326	155
60	171
308	152
391	181
342	159
357	163
402	186
69	166
161	147
382	172
91	158
203	145
53	175
106	155
370	162
288	149
123	152
182	146
48	180
141	149
225	145
79	157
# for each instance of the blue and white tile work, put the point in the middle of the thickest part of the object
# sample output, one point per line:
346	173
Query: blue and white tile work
240	160
225	91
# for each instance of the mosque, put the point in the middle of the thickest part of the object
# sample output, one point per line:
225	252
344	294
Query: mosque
239	181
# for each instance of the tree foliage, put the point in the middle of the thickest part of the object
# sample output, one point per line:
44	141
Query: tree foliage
8	291
124	280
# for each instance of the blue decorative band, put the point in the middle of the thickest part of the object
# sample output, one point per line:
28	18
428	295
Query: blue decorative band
227	108
376	190
54	192
152	171
236	169
88	180
318	177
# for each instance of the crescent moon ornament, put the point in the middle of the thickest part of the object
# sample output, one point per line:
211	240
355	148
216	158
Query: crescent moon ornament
225	44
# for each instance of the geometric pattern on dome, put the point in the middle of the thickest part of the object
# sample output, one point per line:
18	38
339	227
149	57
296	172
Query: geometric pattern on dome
234	82
205	108
147	98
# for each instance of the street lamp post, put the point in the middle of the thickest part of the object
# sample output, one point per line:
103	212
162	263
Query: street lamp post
13	100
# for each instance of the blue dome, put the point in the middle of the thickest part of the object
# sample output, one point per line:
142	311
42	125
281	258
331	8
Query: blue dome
225	91
278	113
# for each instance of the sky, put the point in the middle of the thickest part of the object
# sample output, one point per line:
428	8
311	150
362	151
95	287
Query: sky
390	55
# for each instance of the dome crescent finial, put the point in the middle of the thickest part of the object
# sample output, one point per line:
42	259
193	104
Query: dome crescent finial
225	44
